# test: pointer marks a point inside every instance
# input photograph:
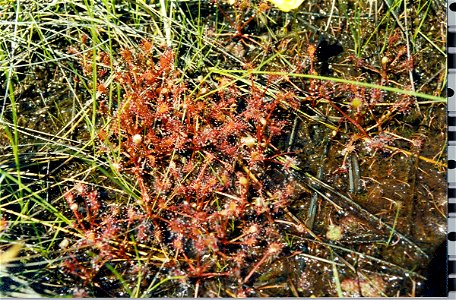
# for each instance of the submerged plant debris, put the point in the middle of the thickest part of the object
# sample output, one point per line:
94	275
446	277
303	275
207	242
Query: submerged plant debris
222	148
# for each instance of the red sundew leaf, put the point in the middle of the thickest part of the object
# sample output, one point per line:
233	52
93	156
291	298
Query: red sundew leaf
126	55
166	61
146	45
149	77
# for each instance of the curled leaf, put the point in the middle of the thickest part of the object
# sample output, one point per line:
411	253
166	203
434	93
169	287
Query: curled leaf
286	5
10	254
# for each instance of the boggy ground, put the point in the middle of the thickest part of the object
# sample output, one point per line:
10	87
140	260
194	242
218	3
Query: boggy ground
228	150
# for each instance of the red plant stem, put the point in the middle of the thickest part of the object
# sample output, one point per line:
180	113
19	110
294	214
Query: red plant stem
348	118
257	265
144	193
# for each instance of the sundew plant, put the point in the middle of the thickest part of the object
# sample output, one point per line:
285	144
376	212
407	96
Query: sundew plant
215	148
